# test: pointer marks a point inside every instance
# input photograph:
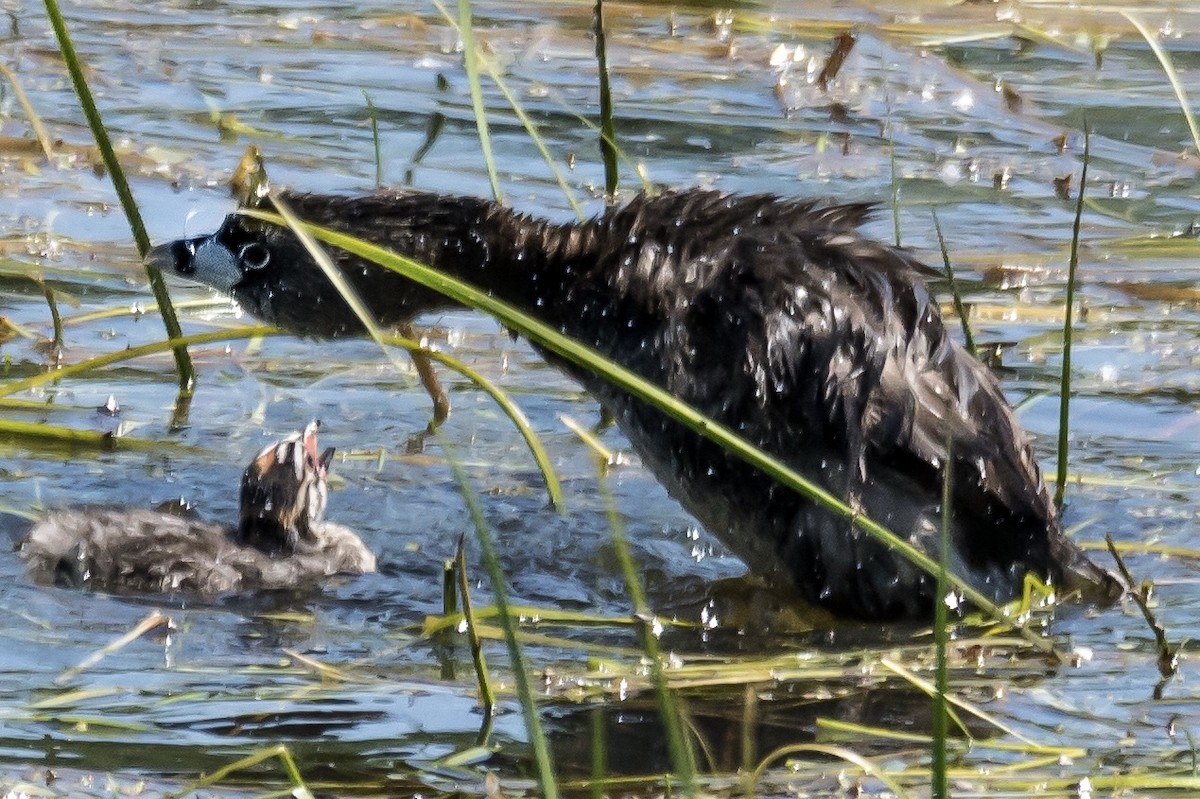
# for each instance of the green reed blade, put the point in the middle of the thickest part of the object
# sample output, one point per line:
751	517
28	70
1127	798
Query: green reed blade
553	486
683	760
868	767
466	32
299	789
440	409
39	130
491	562
608	135
183	362
959	308
487	697
530	128
599	752
128	354
373	115
1168	66
1064	395
939	785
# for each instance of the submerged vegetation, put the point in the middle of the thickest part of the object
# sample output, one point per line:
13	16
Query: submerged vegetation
753	702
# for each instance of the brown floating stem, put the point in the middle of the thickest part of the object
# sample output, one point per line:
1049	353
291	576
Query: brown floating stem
842	46
153	621
1168	660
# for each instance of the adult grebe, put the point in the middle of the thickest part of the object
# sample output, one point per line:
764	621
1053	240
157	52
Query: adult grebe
280	542
774	317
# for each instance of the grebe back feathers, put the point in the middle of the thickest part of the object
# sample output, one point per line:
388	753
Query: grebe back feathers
775	317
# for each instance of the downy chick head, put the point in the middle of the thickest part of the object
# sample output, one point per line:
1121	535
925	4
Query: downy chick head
284	493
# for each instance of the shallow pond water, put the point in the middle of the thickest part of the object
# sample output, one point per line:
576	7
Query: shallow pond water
954	101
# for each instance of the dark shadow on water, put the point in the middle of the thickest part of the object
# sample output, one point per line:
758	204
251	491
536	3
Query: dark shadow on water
635	744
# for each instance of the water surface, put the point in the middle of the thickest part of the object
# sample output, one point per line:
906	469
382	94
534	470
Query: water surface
184	87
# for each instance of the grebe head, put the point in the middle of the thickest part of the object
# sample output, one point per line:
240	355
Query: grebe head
267	271
242	248
284	493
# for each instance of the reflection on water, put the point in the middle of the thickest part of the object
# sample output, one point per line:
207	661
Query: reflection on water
185	86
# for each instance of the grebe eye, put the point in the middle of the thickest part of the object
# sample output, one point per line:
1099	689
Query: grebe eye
254	256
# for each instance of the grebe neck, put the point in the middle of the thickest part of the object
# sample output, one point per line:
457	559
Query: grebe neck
528	262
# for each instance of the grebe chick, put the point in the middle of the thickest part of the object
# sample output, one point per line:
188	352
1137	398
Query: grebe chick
775	317
280	542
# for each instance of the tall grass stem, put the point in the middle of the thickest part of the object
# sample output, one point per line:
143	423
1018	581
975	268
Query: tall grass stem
466	33
895	178
939	786
183	362
420	358
55	316
538	741
608	136
487	697
1064	394
683	761
959	307
599	752
374	117
526	122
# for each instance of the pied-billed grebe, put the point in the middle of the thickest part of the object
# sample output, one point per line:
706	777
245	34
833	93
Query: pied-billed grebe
280	542
775	317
